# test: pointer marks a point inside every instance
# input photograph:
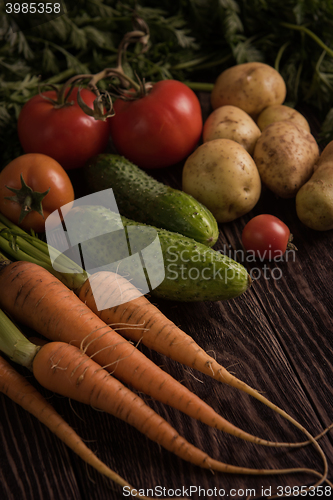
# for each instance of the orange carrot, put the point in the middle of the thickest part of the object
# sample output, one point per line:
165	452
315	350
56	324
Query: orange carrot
157	332
204	363
35	297
19	390
66	370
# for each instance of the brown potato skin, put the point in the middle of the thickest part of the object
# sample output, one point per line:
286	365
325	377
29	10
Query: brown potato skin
285	155
250	86
222	176
314	201
230	122
281	112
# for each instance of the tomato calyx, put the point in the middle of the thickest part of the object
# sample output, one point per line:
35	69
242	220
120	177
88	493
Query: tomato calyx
132	94
290	244
61	101
29	199
101	103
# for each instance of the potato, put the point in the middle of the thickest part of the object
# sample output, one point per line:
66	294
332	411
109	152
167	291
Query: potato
222	176
285	155
314	201
281	112
326	155
230	122
250	86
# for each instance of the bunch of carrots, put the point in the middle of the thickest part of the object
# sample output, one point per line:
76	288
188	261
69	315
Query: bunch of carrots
88	360
19	390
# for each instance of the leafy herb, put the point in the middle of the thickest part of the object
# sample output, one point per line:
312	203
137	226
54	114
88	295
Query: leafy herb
190	40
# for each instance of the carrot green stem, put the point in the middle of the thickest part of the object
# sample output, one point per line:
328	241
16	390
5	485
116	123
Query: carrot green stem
19	245
16	252
202	63
204	87
310	34
192	62
279	55
60	77
14	344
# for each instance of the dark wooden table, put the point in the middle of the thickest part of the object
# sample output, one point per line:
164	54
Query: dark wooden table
277	337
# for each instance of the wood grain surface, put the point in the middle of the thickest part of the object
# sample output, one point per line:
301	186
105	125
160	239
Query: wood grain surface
277	337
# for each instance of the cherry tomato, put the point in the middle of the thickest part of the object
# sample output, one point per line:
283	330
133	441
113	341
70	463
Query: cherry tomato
41	174
161	128
67	133
266	236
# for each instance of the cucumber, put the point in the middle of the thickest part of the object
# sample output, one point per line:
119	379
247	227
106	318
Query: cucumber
177	267
144	199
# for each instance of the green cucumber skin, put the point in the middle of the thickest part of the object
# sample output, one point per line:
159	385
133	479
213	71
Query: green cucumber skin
144	199
189	265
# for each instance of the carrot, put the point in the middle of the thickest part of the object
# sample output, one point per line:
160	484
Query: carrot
74	277
64	369
19	390
35	297
157	332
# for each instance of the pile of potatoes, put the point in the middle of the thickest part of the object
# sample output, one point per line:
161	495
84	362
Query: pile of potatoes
252	139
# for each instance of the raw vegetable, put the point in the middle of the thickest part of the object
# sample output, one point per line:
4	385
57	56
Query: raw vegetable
158	128
294	38
285	155
144	321
32	187
281	112
66	370
250	86
19	390
57	363
266	237
314	201
32	295
142	198
222	175
156	331
53	123
192	271
230	122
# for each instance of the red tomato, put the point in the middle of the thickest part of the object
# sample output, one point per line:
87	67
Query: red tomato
159	129
40	173
67	134
266	236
